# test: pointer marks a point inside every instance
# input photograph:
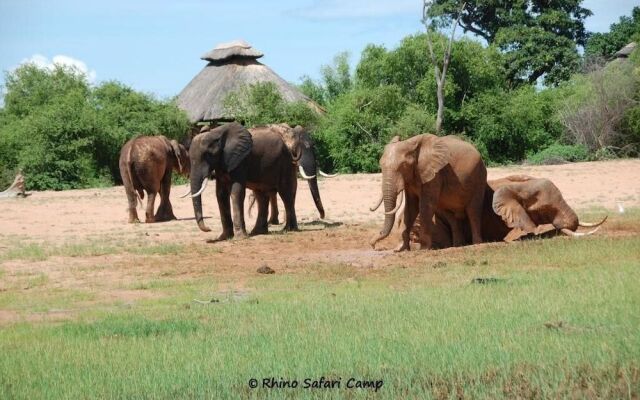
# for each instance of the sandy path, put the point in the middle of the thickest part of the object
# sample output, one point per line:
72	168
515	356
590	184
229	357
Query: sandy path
86	214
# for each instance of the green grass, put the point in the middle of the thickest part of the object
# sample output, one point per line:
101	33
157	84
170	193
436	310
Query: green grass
426	332
43	251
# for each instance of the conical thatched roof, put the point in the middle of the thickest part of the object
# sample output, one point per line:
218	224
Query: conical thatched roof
625	51
236	48
231	66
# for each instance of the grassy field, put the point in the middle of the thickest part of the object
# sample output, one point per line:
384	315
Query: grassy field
557	318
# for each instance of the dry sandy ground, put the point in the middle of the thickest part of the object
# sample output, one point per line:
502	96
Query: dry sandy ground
95	217
79	214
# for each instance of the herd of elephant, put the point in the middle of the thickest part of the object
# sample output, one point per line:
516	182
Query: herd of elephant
443	182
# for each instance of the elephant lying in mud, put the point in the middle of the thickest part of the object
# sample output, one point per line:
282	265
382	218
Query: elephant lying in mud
442	175
146	163
303	148
514	207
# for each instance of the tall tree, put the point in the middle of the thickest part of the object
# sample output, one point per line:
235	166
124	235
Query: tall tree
538	37
440	71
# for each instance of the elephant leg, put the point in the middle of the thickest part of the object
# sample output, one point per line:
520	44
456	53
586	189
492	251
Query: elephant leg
288	196
457	238
428	200
474	214
237	201
151	199
132	200
224	206
410	214
273	201
165	211
129	189
261	227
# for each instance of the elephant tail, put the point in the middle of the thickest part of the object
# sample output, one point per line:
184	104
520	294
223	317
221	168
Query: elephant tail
133	178
252	202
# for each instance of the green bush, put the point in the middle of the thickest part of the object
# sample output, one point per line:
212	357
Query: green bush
262	103
508	125
65	134
559	154
413	121
358	124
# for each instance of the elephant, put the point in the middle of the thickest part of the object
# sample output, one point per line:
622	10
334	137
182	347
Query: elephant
518	206
535	206
146	163
307	167
437	174
239	159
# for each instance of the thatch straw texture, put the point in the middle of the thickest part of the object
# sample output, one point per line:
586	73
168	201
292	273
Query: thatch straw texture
236	48
203	98
625	51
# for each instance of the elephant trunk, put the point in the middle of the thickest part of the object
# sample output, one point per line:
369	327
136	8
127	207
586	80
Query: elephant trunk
197	180
315	193
389	195
308	164
566	218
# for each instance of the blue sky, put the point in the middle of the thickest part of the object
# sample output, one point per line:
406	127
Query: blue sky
155	45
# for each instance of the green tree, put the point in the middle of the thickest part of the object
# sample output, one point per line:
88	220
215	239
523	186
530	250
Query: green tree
620	34
357	126
538	37
473	69
63	133
506	126
262	103
335	80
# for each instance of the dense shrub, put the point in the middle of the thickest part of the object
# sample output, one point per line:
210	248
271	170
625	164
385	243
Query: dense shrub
597	109
508	125
63	133
357	126
262	103
558	154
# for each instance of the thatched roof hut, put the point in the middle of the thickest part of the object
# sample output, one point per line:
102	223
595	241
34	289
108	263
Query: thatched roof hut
625	51
230	66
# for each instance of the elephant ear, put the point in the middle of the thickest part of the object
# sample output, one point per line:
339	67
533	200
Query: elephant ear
237	146
175	147
434	155
507	205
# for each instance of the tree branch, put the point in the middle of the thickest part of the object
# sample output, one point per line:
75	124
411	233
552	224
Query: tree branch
471	28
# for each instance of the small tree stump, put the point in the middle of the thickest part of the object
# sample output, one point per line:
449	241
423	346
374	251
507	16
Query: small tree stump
16	189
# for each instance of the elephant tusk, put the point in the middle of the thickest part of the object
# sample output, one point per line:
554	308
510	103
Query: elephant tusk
591	225
202	187
397	207
400	219
327	175
375	207
188	191
569	232
304	176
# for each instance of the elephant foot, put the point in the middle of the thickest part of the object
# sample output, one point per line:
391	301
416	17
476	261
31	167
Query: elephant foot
133	216
263	230
164	218
240	234
224	236
290	228
274	221
402	247
150	220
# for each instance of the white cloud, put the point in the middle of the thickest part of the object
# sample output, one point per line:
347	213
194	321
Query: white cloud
337	9
43	62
